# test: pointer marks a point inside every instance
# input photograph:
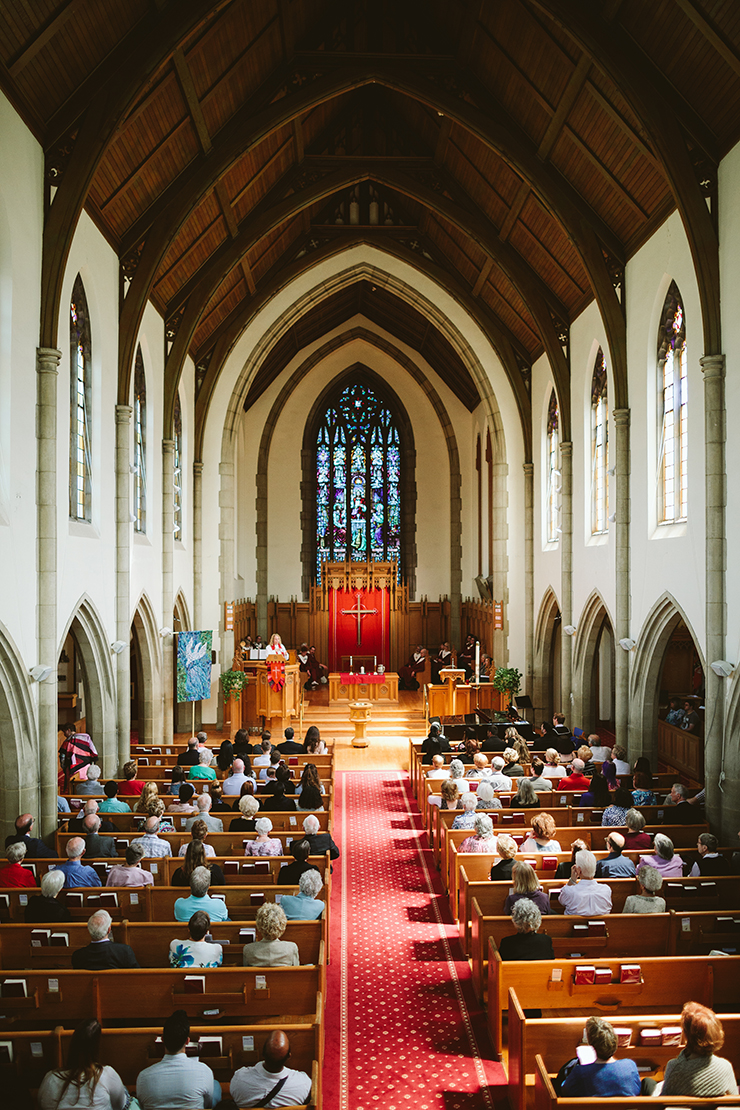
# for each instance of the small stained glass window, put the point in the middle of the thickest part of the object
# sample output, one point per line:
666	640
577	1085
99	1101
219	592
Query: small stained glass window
80	456
177	464
599	448
139	444
552	496
673	412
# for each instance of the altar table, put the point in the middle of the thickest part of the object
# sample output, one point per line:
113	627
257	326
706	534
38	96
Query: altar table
372	687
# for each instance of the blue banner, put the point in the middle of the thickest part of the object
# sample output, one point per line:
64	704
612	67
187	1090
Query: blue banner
194	665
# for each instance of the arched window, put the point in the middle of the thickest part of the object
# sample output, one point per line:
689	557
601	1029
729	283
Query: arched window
358	480
673	437
177	465
80	458
599	448
552	504
139	444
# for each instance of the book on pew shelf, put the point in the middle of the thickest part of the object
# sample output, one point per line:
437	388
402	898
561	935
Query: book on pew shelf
584	974
6	1052
192	1049
518	839
5	901
580	929
40	938
630	973
249	936
30	867
121	843
211	1046
100	869
108	898
221	896
155	751
518	818
597	928
143	761
231	867
623	1034
603	975
724	924
670	1035
554	891
650	1037
549	863
708	889
73	899
59	940
15	988
256	899
262	867
674	890
194	984
507	818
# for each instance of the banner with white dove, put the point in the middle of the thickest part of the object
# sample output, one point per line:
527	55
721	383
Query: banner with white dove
194	665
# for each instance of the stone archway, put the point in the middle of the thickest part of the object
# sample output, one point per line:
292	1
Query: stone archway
19	757
593	651
93	648
182	711
546	638
146	674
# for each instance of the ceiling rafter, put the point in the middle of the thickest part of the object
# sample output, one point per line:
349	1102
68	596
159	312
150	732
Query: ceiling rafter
43	35
187	87
718	41
567	100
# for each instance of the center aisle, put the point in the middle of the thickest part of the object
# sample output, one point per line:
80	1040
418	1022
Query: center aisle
403	1027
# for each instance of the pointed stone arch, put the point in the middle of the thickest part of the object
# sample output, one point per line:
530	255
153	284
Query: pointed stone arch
146	671
545	631
93	644
181	610
19	758
647	664
595	620
183	710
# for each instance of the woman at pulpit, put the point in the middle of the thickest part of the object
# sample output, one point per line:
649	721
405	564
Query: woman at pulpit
276	647
442	659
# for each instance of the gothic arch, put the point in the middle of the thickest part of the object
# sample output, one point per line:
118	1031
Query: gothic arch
93	644
594	619
180	609
549	616
148	678
19	760
652	641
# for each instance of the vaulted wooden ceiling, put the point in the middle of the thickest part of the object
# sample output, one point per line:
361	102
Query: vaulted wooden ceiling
520	150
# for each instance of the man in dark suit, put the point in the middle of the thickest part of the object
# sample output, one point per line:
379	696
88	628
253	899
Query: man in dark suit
318	842
102	953
290	873
190	757
35	849
97	846
289	746
678	811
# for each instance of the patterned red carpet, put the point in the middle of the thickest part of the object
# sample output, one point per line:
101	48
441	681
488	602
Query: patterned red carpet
403	1027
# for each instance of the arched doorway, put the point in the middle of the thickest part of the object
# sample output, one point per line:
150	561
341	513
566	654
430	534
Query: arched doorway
547	656
19	760
86	688
593	668
146	685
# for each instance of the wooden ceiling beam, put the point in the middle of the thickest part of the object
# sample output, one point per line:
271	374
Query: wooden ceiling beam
43	35
711	34
607	174
187	87
616	117
442	139
575	83
515	211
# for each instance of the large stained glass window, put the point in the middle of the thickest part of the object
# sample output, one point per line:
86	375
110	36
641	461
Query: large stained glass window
80	464
358	478
673	412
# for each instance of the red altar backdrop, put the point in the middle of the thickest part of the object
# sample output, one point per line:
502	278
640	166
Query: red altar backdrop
375	635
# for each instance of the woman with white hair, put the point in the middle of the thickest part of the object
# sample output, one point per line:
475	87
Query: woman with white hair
466	819
527	943
486	797
483	840
91	785
203	769
507	849
15	874
665	860
480	768
277	647
264	844
46	907
270	950
248	808
646	901
306	904
457	775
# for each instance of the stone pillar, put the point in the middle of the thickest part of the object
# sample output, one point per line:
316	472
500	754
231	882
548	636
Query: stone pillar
623	580
47	371
529	579
197	544
123	578
713	367
566	580
226	567
168	597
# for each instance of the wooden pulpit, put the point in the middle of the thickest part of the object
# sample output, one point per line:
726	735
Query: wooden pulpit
278	708
443	700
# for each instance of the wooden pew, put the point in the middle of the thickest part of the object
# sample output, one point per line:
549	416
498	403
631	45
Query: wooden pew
70	996
252	869
555	1040
666	983
132	824
224	844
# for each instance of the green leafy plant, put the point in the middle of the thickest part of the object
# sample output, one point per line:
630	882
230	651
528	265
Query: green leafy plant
507	680
232	684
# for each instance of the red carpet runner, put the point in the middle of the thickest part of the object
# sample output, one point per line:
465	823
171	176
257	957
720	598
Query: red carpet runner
403	1027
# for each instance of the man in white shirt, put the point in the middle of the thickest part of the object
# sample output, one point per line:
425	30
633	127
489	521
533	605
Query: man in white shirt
204	803
263	759
177	1080
438	770
497	780
233	784
154	846
270	1077
599	751
583	895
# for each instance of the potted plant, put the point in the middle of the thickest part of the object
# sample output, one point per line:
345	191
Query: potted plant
507	680
232	683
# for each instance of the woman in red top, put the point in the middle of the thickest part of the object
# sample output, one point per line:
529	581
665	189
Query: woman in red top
132	785
635	837
14	874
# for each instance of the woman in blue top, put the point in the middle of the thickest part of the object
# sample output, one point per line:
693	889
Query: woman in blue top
603	1077
616	813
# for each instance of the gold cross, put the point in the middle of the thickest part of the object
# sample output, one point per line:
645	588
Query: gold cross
358	612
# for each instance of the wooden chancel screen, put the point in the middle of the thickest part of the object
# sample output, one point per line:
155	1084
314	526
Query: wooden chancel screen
358	605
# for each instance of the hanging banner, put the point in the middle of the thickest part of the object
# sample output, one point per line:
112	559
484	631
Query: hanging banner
276	675
194	665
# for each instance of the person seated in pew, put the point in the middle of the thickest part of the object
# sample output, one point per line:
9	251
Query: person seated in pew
597	794
128	871
527	943
583	895
196	855
438	769
270	950
636	837
290	873
541	839
540	781
518	744
113	803
178	778
565	869
132	787
264	844
457	774
450	794
619	759
191	756
290	745
250	788
242	747
709	862
200	899
218	804
76	873
486	799
507	848
480	769
681	812
665	859
84	1082
196	951
154	846
102	953
642	795
186	800
177	1079
616	813
466	819
562	742
35	848
318	842
483	839
575	779
525	797
14	874
497	779
599	750
469	749
97	846
585	753
90	785
525	884
312	742
237	777
647	900
277	801
512	767
434	743
270	1082
697	1072
262	758
493	742
597	1074
615	865
149	794
267	785
45	907
199	831
305	905
62	805
248	807
203	805
554	769
310	778
202	769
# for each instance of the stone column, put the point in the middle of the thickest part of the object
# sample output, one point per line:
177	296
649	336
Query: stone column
713	367
47	371
197	544
566	579
529	579
123	578
168	598
226	567
623	580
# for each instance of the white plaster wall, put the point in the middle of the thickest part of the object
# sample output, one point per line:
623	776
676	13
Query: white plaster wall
729	258
547	556
182	561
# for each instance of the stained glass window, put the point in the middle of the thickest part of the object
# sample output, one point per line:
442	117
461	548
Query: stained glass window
599	448
673	412
139	444
552	506
358	478
177	464
80	467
